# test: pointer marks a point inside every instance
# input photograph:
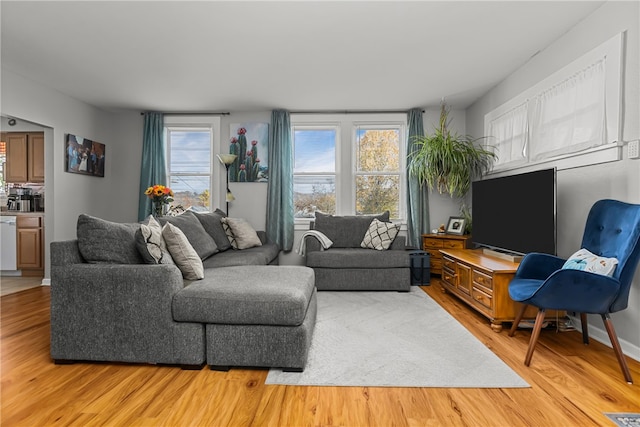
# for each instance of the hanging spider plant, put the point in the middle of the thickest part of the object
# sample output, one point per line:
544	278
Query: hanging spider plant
448	162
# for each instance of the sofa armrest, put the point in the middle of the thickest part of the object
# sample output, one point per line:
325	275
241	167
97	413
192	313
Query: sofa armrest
118	312
311	244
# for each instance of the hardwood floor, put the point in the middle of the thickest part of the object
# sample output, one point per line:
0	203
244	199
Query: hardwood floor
571	385
13	284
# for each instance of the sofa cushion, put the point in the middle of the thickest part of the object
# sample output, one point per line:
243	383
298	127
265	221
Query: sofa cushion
379	235
213	226
102	241
188	223
150	243
259	255
278	296
240	233
358	258
183	254
346	231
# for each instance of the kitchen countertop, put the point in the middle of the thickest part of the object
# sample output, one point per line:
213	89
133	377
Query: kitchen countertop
19	213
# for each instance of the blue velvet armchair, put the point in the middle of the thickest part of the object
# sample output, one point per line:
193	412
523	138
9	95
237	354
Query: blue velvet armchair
612	230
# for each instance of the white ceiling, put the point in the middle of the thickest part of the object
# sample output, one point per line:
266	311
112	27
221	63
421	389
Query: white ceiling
298	55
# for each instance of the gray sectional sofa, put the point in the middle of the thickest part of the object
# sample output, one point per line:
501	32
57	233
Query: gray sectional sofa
347	266
112	301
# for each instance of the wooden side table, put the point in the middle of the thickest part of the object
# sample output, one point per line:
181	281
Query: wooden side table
432	243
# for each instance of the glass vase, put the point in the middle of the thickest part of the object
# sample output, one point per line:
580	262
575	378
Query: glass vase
158	210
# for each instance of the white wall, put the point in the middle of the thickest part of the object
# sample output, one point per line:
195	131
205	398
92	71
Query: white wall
579	188
67	195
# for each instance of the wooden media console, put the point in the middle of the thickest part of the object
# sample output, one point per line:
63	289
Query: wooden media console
482	282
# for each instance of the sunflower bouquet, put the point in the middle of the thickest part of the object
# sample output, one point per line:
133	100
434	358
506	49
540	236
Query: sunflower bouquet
160	196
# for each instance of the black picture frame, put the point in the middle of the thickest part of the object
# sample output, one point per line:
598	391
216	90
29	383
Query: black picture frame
456	225
84	156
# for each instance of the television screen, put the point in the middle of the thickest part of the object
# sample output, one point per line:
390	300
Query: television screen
515	213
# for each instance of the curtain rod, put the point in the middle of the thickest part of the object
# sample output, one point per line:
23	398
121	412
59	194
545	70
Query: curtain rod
349	111
199	113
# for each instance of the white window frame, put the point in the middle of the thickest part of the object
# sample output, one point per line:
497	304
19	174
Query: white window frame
610	150
321	126
346	152
206	122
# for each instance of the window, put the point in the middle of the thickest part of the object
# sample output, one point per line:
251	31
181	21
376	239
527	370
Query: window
349	164
189	160
314	171
378	171
571	118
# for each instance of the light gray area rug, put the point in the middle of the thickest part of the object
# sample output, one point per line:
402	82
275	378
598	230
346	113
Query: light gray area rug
394	339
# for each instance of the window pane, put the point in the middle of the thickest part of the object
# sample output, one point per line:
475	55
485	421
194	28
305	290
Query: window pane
311	193
191	191
190	167
378	150
315	150
190	151
378	193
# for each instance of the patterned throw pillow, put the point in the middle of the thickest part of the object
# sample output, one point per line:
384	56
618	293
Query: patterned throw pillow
240	233
380	235
150	243
585	260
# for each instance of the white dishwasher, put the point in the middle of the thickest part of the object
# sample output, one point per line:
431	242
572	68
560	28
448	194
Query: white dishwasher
8	245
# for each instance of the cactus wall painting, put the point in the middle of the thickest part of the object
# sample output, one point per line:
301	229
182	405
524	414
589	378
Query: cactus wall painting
249	141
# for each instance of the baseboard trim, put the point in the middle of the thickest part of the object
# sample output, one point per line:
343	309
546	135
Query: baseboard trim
600	335
46	282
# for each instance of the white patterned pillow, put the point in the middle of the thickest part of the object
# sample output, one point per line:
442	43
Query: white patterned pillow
150	243
585	260
380	235
240	233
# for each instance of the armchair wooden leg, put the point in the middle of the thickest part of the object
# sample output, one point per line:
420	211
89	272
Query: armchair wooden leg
608	324
517	320
534	335
585	328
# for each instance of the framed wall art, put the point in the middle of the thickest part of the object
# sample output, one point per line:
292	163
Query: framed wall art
84	156
249	142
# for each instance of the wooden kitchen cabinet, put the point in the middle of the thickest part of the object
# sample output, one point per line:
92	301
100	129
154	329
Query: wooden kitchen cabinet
16	157
25	157
30	229
35	157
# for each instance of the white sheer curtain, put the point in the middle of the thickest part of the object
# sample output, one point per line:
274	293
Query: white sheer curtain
508	135
570	116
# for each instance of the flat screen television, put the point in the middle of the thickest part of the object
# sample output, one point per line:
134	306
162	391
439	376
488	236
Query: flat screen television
515	214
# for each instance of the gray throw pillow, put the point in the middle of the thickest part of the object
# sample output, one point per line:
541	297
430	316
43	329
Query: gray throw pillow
213	226
188	223
346	231
184	255
102	241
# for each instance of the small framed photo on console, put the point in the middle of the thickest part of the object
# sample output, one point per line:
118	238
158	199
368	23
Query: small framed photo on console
456	225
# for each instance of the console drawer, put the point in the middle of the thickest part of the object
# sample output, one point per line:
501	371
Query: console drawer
453	244
484	280
484	299
431	243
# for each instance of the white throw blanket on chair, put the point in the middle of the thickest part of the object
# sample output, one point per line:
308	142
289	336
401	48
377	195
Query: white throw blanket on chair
325	242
